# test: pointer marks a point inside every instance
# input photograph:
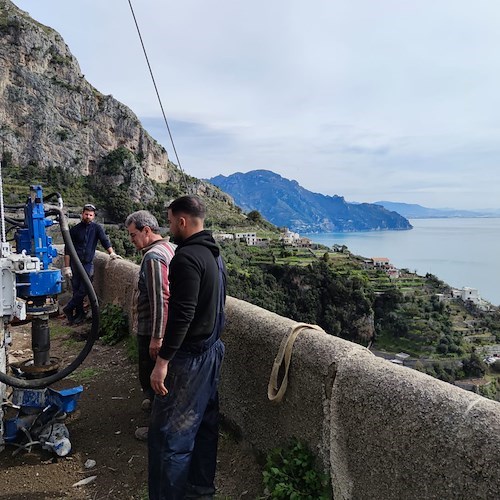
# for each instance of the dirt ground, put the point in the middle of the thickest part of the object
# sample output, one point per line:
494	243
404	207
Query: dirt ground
102	429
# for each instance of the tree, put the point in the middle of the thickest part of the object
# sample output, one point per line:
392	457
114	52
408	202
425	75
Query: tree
254	216
474	366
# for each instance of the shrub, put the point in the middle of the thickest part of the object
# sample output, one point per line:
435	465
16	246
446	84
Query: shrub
63	134
113	324
290	473
113	163
474	366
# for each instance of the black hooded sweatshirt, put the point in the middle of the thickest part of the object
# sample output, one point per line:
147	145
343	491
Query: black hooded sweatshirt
194	288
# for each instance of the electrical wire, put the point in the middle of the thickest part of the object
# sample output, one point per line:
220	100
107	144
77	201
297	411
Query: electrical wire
2	210
158	96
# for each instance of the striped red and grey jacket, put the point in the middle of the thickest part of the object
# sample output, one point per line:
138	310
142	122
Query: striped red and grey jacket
153	289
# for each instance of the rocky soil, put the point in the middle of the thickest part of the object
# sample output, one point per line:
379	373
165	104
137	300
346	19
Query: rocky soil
102	429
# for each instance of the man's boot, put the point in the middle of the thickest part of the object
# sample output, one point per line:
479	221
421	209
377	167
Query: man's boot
68	312
80	315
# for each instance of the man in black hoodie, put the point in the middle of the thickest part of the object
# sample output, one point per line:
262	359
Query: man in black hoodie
183	431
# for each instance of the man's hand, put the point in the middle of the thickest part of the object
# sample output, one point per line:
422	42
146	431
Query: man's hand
154	347
67	272
158	376
114	256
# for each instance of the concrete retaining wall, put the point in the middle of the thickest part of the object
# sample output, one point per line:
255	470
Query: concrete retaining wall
383	431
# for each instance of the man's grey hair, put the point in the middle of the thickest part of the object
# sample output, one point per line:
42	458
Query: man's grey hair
141	219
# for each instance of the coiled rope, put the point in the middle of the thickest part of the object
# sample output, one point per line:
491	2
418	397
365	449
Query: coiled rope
276	391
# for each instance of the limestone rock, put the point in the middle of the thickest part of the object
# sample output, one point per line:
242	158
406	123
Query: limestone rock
51	116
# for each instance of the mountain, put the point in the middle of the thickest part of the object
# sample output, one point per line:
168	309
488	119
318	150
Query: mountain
51	117
413	211
286	204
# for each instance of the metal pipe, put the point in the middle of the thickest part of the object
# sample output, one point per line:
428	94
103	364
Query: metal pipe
40	340
94	332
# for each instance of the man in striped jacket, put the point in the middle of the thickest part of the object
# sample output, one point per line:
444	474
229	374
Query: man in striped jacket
151	297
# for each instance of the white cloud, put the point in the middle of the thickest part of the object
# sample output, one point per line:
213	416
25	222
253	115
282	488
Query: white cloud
370	100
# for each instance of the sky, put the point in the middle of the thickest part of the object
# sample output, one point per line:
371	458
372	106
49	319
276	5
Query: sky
395	100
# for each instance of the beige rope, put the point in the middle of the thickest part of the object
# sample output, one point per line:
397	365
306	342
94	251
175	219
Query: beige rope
275	393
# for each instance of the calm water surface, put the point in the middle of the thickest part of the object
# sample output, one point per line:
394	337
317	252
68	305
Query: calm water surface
461	252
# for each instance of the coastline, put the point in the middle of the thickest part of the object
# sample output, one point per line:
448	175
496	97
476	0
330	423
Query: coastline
462	252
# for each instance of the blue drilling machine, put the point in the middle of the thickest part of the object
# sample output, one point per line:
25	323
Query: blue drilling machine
33	408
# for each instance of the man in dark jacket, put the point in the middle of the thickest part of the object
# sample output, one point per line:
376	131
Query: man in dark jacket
85	236
183	431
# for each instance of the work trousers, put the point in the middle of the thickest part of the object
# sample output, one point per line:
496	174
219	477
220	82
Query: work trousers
146	365
184	427
79	288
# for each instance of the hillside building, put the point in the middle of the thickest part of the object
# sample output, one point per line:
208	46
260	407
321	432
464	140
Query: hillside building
289	238
467	293
223	236
249	238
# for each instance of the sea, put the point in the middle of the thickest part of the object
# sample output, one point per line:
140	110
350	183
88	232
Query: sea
463	252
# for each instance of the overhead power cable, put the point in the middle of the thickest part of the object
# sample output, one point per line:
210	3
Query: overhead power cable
158	95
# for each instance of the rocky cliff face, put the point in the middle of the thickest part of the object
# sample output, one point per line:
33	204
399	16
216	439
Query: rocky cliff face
50	115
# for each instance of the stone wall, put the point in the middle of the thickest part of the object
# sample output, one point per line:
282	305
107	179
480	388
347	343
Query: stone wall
382	431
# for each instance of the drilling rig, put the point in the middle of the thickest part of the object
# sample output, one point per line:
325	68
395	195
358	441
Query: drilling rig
33	410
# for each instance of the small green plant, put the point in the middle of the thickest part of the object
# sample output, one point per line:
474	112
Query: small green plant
290	473
113	324
62	134
72	342
131	348
60	330
85	375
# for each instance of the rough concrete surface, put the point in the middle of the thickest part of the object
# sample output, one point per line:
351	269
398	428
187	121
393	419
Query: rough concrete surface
383	431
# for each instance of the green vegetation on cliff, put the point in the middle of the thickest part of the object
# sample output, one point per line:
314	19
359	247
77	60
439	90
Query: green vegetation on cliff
118	187
301	286
329	287
347	298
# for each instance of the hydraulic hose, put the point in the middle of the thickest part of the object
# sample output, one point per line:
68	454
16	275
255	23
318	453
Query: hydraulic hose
43	382
16	207
57	195
15	222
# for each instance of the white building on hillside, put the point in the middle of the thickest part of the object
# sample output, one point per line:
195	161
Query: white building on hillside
250	238
471	294
223	236
289	238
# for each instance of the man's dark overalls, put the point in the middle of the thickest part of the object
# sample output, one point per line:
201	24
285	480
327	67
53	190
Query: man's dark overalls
184	428
85	238
79	288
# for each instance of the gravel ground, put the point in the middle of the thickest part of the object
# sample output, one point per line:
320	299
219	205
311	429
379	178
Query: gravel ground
102	429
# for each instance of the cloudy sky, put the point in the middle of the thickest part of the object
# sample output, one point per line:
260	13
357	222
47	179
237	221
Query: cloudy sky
369	99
